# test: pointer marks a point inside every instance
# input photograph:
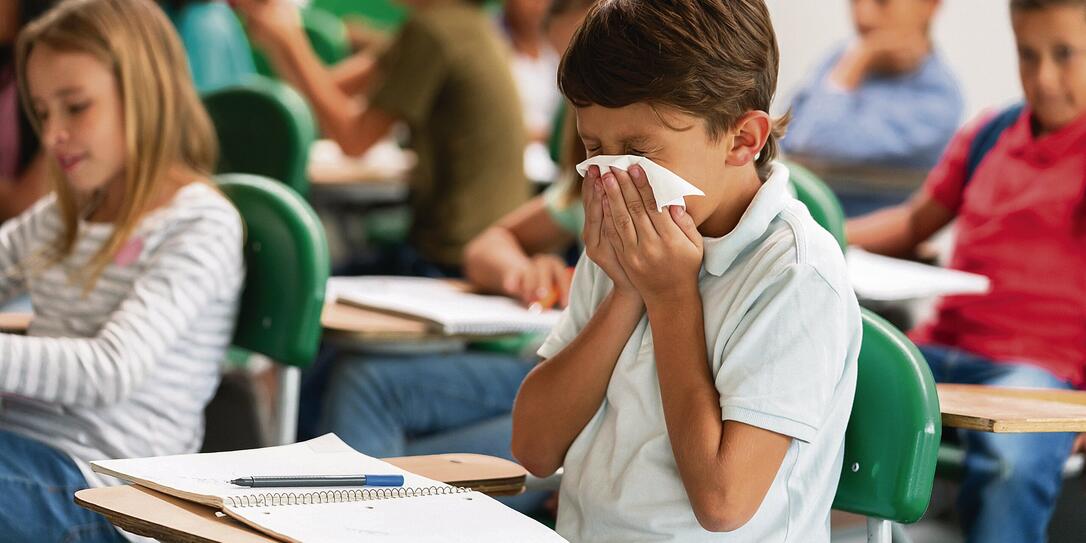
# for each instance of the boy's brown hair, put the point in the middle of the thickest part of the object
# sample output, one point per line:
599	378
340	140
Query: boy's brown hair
713	59
1033	5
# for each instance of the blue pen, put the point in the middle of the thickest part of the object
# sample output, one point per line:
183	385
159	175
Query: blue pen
261	481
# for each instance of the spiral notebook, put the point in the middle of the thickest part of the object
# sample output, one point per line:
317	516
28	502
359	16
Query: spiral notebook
451	309
422	510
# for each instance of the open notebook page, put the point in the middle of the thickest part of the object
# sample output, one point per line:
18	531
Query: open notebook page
459	518
436	301
204	478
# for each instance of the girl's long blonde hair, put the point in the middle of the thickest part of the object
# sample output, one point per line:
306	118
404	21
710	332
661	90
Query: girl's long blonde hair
165	123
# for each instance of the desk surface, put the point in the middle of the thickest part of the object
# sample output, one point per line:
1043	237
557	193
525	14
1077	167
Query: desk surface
169	519
1012	410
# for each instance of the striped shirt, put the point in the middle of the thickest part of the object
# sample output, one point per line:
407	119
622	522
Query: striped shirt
125	370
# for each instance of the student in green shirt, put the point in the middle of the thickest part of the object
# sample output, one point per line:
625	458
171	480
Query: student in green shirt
447	77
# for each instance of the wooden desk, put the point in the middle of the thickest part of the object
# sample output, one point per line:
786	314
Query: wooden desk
166	518
1012	410
346	321
377	177
864	177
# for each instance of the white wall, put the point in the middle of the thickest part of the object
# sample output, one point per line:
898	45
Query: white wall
974	37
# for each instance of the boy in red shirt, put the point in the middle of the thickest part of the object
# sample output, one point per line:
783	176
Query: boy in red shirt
1020	203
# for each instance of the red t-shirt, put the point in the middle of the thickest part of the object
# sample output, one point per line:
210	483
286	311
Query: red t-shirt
1022	223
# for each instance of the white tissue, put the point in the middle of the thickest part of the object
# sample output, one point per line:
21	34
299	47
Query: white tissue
668	188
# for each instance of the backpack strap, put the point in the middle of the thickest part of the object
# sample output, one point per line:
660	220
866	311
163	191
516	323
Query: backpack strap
987	137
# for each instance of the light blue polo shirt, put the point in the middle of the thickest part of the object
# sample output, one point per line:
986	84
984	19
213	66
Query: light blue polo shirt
782	328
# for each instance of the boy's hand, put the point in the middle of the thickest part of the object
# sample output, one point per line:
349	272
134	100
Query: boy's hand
596	229
894	50
660	251
270	23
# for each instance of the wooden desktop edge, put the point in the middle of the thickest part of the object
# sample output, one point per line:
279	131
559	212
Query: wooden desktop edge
1030	410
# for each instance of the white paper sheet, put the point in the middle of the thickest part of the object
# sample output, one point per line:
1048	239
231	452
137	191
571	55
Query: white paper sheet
460	518
880	278
668	188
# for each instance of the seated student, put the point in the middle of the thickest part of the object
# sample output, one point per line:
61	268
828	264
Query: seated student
1021	221
389	405
218	52
22	180
447	77
134	265
534	63
702	376
887	98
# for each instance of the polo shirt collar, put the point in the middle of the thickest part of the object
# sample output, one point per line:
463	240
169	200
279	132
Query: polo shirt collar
1049	148
770	200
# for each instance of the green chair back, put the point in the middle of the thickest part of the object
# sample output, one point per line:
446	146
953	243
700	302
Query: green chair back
286	260
264	128
820	201
327	35
893	434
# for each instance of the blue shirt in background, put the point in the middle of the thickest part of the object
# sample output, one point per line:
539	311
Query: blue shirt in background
901	121
218	50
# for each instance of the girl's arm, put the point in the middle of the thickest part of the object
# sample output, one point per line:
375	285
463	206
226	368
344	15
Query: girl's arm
515	257
197	266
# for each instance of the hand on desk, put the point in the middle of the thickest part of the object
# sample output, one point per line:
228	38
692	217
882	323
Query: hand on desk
543	280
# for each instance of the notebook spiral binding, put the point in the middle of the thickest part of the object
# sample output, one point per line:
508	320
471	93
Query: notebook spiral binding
273	499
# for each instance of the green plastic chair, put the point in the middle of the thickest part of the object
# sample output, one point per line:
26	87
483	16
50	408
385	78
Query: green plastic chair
820	201
327	35
892	439
264	128
286	260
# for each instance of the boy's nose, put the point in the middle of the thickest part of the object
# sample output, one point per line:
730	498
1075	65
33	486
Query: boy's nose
1048	75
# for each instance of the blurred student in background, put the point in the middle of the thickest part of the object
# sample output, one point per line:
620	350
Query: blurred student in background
22	179
447	77
534	63
887	98
1015	183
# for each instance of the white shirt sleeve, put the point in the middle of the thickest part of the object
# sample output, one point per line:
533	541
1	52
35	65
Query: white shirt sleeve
781	366
581	307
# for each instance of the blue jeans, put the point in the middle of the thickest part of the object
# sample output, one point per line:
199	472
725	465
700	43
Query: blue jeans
411	404
37	484
1011	481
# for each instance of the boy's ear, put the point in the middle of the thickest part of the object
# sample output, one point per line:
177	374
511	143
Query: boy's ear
748	137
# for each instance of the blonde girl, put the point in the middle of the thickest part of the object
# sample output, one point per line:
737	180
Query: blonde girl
133	264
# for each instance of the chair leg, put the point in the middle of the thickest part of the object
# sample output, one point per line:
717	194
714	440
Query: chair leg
878	531
898	533
286	409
